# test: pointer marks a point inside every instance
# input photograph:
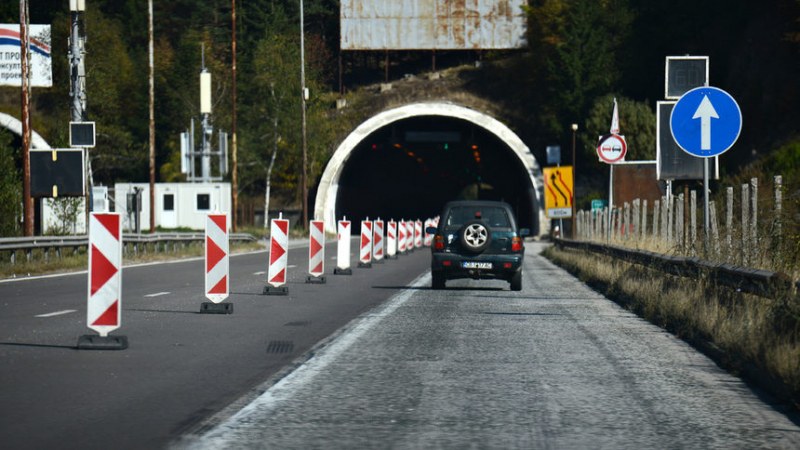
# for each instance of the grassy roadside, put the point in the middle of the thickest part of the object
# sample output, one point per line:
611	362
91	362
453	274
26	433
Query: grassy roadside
79	261
750	336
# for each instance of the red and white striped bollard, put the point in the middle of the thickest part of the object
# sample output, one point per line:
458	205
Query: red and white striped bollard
278	257
217	265
343	230
316	252
104	303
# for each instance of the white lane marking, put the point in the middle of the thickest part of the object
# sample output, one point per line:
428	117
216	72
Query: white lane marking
225	434
158	294
291	266
58	313
259	273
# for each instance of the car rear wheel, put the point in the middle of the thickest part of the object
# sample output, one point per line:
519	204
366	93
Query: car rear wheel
437	280
475	236
516	281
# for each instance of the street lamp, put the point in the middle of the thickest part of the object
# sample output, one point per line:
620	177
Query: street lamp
574	181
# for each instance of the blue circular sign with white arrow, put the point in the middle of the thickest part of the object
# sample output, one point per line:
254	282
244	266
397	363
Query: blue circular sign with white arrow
706	122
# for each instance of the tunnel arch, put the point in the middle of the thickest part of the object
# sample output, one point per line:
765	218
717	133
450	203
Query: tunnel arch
325	207
13	124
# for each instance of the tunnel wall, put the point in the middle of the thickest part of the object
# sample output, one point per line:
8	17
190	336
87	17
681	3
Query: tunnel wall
325	205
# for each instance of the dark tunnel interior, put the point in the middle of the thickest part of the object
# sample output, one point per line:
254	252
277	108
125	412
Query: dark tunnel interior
410	168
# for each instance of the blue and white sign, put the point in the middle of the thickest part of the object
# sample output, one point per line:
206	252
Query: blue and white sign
706	122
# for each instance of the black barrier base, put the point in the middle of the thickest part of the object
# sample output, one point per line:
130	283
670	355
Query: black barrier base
338	271
362	265
95	342
315	280
216	308
271	290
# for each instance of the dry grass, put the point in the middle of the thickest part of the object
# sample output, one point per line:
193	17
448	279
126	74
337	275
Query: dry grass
754	336
79	261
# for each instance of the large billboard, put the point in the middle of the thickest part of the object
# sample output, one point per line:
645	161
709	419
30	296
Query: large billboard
11	56
432	24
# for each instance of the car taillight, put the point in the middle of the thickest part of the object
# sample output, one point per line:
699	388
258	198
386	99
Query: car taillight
438	242
516	244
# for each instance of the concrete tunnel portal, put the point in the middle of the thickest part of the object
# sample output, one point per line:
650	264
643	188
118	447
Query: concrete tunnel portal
407	162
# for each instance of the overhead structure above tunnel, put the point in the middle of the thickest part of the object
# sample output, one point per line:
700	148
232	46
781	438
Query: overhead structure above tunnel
407	161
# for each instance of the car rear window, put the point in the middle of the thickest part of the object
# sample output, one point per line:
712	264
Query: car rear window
492	216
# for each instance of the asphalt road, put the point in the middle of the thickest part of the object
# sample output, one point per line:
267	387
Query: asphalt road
478	366
372	360
181	366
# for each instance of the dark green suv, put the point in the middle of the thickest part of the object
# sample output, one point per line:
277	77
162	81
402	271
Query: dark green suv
478	240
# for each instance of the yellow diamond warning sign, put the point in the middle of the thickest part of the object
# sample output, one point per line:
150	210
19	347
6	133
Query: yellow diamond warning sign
558	192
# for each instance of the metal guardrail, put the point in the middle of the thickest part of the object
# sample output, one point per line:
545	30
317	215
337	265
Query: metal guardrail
763	283
129	240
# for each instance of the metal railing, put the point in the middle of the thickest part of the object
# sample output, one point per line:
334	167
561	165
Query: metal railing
132	243
763	283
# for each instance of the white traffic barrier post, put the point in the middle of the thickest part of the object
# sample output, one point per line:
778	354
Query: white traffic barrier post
401	237
365	259
316	252
377	241
391	239
418	234
343	248
278	257
217	265
428	237
104	304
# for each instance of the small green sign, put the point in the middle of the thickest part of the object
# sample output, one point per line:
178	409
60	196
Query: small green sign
598	205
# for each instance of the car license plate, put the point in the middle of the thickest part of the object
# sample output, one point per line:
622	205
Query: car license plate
476	265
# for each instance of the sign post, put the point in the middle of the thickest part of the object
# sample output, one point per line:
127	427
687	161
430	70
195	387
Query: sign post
706	122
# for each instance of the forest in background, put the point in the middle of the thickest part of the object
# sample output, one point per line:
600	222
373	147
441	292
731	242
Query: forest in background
581	54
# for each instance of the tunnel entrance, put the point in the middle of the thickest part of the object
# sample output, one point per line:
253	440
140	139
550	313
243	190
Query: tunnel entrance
408	162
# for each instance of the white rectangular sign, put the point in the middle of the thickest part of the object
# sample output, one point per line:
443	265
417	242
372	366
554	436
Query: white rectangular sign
41	62
432	24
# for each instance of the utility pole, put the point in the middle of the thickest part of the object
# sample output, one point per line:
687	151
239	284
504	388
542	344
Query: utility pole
152	118
234	156
26	128
303	104
78	87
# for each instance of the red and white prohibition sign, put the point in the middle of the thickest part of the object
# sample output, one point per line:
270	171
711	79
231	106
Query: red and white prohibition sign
217	264
103	312
278	251
316	248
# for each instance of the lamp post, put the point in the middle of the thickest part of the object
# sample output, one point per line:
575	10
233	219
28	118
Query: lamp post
574	173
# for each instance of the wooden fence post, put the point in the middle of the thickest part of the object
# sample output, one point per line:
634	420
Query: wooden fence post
712	211
729	222
745	222
656	222
754	216
693	222
643	233
777	235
